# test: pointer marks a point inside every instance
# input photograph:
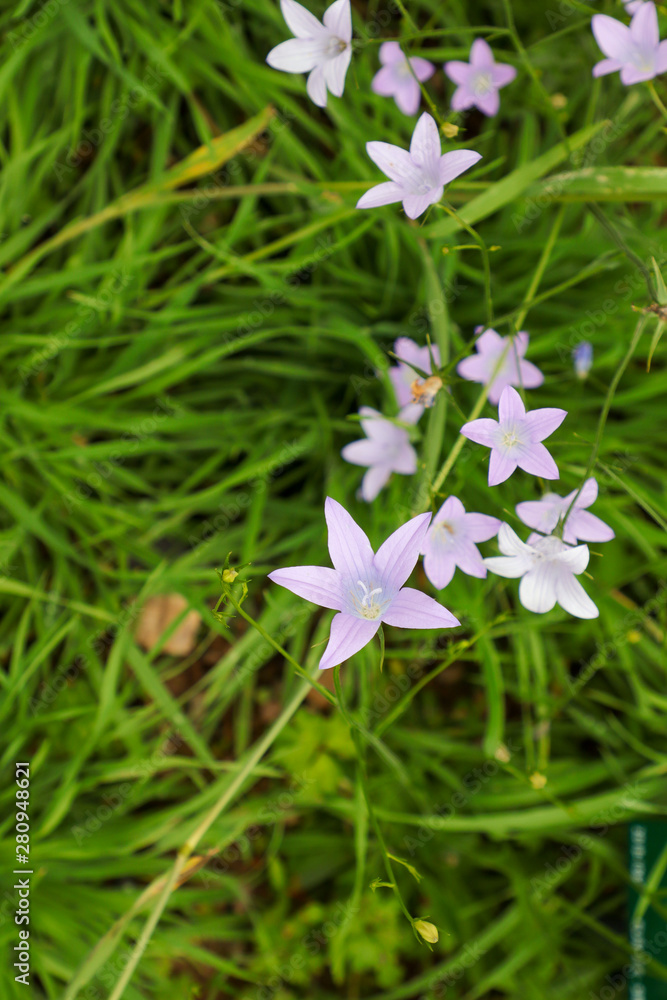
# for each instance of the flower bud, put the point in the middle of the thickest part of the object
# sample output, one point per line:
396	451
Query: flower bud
427	930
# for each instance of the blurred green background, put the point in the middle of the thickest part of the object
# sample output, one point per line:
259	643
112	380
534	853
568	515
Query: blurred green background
192	310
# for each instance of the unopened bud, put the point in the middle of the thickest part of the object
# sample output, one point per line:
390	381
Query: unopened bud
427	930
229	575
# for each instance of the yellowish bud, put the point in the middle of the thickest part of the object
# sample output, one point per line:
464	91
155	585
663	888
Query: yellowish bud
427	930
229	575
538	780
449	130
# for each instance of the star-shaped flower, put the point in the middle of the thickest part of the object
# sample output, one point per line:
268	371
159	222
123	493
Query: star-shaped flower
321	50
478	81
402	376
514	439
635	50
513	369
400	77
365	589
417	177
451	541
548	569
543	515
385	449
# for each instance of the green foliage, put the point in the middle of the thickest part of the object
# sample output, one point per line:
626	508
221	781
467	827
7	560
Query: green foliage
192	313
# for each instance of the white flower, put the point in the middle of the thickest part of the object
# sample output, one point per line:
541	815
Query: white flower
548	568
321	50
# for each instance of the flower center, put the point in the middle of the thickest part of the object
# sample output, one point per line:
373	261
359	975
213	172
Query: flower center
403	69
335	47
510	439
368	603
444	528
483	84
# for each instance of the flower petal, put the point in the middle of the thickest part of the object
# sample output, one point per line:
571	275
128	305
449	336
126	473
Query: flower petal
390	53
349	548
348	635
300	21
335	70
606	66
489	103
374	480
362	452
408	96
316	87
510	406
397	556
338	20
573	598
423	69
482	431
415	205
613	37
425	146
394	162
510	544
508	566
481	55
318	584
542	423
476	368
384	81
458	72
536	460
501	466
382	194
539	514
412	609
644	29
531	376
469	560
297	55
586	527
481	527
457	162
439	566
537	590
451	508
575	559
502	74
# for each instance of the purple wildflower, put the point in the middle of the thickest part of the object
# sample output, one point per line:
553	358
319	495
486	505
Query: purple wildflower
365	589
635	50
400	77
417	177
548	569
479	81
402	376
451	541
632	6
385	449
543	515
514	439
582	357
512	370
321	50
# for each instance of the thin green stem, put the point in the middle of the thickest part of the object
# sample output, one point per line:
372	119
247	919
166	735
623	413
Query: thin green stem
485	257
656	100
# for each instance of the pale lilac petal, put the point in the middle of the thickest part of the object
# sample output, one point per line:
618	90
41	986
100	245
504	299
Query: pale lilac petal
537	590
458	72
318	584
376	426
510	567
423	69
469	559
300	21
375	480
338	20
490	342
537	461
316	87
397	556
425	146
489	103
402	378
483	431
405	460
335	70
297	55
439	567
588	494
476	368
391	53
415	205
575	559
481	56
462	99
349	548
542	423
606	66
531	376
501	467
644	28
394	162
510	406
573	598
482	527
586	527
412	609
408	96
382	194
630	75
384	82
348	635
613	37
453	164
451	508
362	452
510	544
539	515
502	74
407	350
410	414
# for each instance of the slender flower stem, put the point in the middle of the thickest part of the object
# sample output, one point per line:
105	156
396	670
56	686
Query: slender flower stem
485	257
369	805
656	100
